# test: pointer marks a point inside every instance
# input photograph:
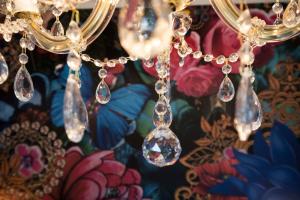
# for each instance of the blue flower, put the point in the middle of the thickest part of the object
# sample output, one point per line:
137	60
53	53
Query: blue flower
112	121
272	172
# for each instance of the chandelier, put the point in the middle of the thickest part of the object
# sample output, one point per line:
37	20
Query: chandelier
148	30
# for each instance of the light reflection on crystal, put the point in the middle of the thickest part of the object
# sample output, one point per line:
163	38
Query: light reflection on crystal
226	90
161	147
23	86
75	113
103	93
257	109
3	69
57	29
290	15
164	119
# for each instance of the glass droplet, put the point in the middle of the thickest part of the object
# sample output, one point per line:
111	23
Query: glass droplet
161	147
103	93
290	15
73	32
102	73
57	29
226	69
145	29
3	69
23	58
75	113
277	8
23	86
226	90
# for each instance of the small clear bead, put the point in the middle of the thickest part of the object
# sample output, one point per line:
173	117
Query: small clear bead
7	37
233	57
123	60
111	63
23	43
133	58
208	58
85	57
220	60
197	54
30	45
226	69
277	8
161	87
149	63
98	63
102	73
23	58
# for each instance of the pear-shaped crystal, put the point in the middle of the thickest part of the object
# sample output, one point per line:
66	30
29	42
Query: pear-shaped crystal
161	147
57	29
23	86
145	29
245	108
290	15
103	93
73	32
3	69
226	90
75	113
163	119
258	114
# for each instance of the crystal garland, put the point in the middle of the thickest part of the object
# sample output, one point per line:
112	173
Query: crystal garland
139	35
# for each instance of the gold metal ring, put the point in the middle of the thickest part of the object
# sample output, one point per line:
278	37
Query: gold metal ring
229	13
91	29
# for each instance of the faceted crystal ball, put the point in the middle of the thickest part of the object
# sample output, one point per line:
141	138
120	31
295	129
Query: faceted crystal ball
161	147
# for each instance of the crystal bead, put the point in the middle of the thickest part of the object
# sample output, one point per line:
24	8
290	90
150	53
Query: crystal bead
181	23
75	113
3	69
111	63
163	119
161	87
220	60
162	70
123	60
30	45
102	73
56	12
103	93
208	58
74	60
57	29
197	54
98	63
7	37
73	32
161	147
226	90
23	43
161	107
85	57
233	57
277	8
23	86
290	15
145	29
226	69
23	58
149	63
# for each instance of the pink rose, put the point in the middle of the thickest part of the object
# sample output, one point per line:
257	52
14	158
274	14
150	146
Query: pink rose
199	81
193	41
96	176
222	40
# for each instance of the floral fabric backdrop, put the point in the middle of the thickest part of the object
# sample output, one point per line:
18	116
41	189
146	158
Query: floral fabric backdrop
37	160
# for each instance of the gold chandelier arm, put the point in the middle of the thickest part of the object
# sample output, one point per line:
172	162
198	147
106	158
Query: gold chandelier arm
229	13
91	29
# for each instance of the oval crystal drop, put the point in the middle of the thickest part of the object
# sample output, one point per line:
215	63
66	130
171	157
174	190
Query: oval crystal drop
290	15
103	93
57	29
75	113
23	86
161	147
73	32
145	28
226	90
3	69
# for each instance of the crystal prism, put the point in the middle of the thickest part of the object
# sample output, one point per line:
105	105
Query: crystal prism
75	113
23	86
57	29
3	69
145	28
103	93
226	90
161	147
290	15
258	114
73	32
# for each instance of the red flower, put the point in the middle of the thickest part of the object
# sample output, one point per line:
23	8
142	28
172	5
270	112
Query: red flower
222	40
199	81
193	41
97	176
211	174
112	73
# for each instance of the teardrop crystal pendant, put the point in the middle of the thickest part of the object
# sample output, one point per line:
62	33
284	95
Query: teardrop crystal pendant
245	106
226	90
75	113
145	28
23	86
290	15
161	147
57	29
258	113
103	93
3	69
73	32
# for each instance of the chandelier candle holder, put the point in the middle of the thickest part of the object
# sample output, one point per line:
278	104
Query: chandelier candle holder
147	30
